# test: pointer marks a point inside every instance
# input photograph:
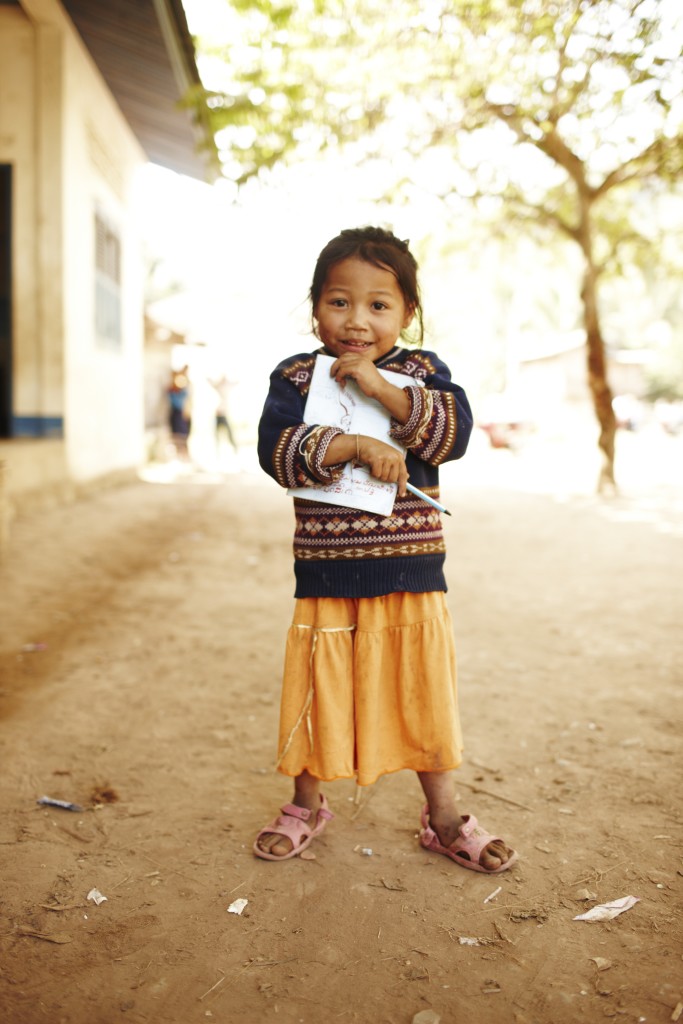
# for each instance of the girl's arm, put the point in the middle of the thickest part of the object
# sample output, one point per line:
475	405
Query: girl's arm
291	451
384	462
439	424
296	454
433	422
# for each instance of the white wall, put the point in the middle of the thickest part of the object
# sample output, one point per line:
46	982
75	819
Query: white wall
104	384
72	153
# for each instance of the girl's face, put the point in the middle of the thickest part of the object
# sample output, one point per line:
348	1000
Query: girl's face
361	310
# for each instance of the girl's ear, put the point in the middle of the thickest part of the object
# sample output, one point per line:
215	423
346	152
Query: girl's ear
410	313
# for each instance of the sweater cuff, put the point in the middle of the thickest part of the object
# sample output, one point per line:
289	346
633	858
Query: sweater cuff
412	431
314	447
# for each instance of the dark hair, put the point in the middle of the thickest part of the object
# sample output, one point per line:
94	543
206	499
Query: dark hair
381	248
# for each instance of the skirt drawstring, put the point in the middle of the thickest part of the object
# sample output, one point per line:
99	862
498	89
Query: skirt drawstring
305	713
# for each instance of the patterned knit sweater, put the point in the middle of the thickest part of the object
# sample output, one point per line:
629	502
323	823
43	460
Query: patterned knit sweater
343	552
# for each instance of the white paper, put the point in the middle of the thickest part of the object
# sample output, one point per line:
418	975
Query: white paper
238	906
608	911
96	896
354	413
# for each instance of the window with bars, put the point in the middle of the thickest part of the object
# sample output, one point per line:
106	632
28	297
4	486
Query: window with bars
107	282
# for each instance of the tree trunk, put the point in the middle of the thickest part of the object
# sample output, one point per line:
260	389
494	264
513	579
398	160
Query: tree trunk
597	381
597	364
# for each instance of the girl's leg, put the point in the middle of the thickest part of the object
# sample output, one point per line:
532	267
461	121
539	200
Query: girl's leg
306	794
439	791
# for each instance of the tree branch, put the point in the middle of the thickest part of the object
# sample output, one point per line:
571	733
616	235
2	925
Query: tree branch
549	142
645	164
558	109
522	210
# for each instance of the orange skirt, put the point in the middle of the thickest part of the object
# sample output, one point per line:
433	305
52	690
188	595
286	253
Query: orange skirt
369	688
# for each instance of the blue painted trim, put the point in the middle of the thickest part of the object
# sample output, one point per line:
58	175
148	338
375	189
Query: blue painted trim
37	426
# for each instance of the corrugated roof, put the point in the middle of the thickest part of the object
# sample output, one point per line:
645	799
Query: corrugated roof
145	53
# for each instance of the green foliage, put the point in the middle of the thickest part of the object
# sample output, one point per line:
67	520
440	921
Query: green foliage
561	114
289	84
594	86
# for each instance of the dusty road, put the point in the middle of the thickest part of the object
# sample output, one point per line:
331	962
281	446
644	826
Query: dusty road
163	609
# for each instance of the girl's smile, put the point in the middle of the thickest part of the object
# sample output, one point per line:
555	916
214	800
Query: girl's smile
361	310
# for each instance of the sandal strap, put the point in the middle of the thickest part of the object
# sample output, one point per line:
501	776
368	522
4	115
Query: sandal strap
476	836
289	826
295	824
296	812
304	814
470	831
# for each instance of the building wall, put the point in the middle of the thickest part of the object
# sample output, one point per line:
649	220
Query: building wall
18	146
73	156
104	381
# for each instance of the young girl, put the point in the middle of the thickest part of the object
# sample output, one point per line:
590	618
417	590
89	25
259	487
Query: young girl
369	678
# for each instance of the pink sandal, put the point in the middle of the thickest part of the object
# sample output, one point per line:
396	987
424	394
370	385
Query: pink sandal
467	848
292	823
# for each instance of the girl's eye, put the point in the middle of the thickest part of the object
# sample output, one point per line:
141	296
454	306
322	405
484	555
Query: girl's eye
339	303
378	305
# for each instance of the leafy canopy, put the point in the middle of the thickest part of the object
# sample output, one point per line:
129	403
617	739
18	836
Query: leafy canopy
592	89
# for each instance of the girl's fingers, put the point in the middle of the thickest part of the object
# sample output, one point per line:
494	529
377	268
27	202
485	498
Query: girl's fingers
339	370
388	470
383	461
358	368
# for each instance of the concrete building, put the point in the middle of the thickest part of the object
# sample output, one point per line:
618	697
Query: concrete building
89	93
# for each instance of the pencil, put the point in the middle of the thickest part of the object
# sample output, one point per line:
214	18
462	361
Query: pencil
425	497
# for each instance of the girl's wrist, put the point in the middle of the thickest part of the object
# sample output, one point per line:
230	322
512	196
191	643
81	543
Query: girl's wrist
342	448
395	400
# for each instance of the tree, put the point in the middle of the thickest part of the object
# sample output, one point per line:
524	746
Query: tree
559	112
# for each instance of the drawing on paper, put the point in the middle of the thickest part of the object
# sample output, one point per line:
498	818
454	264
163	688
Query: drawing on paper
354	413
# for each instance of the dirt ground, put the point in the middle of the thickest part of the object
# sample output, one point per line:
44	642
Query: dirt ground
163	608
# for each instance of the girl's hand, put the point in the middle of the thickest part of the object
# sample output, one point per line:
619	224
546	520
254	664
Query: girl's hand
363	371
384	462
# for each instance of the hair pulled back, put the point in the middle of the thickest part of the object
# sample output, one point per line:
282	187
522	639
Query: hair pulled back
381	248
